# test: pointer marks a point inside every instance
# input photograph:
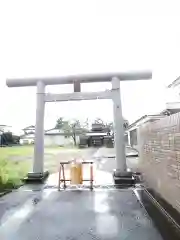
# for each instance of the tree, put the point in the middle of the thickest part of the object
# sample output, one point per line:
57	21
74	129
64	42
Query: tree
7	138
69	127
110	125
74	126
126	123
99	121
62	124
59	123
86	124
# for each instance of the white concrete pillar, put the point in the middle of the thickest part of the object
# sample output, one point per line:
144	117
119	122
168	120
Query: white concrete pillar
119	140
38	164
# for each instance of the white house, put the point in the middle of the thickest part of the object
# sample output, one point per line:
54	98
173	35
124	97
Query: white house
57	137
27	139
28	136
29	130
52	137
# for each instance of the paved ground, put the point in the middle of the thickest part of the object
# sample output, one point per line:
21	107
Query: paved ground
38	213
107	161
75	215
53	157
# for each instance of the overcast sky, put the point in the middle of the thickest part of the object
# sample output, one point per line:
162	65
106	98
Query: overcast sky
53	38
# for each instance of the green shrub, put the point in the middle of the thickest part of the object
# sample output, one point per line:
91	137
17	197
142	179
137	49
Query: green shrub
11	173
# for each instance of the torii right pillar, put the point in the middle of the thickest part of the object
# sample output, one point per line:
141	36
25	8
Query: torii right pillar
121	176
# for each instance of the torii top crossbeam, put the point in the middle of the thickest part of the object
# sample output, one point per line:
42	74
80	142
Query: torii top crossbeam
82	78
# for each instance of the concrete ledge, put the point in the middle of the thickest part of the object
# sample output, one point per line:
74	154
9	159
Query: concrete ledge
36	177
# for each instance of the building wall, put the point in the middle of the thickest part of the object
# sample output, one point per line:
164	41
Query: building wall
59	140
159	149
50	140
27	139
133	137
126	138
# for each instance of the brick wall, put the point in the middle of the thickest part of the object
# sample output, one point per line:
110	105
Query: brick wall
159	148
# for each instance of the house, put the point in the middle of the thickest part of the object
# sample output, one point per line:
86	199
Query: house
98	136
27	139
54	136
59	137
5	128
29	130
28	136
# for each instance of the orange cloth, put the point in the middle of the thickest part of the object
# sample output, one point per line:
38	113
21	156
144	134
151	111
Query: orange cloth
76	173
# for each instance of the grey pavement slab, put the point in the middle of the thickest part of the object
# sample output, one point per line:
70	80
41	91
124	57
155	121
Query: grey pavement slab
105	159
105	152
75	215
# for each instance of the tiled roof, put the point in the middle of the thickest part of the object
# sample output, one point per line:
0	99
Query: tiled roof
175	83
29	127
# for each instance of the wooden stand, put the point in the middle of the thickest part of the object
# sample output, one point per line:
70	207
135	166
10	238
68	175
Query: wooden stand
64	180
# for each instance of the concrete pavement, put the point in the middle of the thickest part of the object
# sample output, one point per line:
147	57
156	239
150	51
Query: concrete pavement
76	215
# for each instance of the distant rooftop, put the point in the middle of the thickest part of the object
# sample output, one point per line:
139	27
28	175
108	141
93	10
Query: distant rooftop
145	119
175	83
2	125
29	127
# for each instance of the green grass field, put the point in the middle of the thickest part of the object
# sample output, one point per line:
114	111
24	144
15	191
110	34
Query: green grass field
8	152
15	163
12	170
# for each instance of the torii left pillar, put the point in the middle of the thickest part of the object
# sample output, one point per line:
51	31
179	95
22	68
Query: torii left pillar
38	163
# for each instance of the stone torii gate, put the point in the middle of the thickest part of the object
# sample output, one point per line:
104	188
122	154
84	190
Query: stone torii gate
42	97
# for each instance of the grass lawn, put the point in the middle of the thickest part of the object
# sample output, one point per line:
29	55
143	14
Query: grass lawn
7	152
11	173
12	170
